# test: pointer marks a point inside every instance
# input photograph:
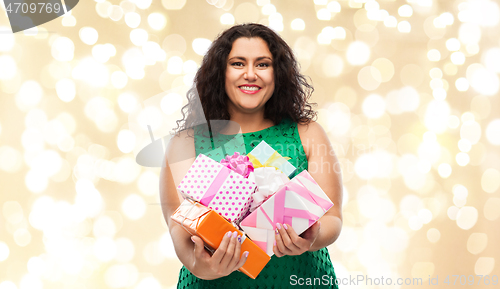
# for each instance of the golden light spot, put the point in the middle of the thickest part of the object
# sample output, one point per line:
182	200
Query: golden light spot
246	12
228	19
484	265
358	53
121	275
450	69
491	211
490	181
462	159
436	73
134	207
22	237
173	4
422	270
332	65
493	132
385	67
433	235
404	27
467	217
444	170
369	78
434	55
453	44
481	106
132	19
477	243
157	21
88	35
115	12
405	11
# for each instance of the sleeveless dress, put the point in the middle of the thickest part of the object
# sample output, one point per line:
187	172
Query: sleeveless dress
279	272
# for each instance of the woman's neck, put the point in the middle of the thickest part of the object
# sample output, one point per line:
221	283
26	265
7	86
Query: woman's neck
252	122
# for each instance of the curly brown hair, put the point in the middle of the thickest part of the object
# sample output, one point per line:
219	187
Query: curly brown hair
291	93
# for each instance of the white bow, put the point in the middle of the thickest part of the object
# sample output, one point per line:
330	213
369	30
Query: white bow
268	180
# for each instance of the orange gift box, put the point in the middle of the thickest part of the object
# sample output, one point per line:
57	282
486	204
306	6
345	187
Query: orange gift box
207	224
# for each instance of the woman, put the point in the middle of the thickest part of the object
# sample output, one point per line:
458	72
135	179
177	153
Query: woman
250	76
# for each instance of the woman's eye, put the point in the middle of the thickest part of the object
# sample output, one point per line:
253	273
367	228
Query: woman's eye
237	64
263	65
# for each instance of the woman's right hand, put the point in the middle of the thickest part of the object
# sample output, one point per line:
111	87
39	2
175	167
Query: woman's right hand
223	262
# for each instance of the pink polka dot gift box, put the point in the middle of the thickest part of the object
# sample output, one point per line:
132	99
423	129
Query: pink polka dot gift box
219	188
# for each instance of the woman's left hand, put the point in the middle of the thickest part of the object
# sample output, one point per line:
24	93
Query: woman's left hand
289	243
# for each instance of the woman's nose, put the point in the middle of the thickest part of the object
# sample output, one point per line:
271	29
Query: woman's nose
250	74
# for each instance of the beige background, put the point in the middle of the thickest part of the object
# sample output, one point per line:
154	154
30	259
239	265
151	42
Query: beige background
407	91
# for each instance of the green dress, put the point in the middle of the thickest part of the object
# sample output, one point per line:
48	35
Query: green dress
279	272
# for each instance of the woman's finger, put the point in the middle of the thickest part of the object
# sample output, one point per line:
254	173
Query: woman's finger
221	251
298	241
237	252
198	246
242	261
285	238
279	244
226	260
276	250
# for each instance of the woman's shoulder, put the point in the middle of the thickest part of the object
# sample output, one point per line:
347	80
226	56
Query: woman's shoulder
311	133
181	145
310	129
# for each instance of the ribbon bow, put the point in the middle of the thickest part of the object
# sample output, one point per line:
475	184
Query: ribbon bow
268	180
275	160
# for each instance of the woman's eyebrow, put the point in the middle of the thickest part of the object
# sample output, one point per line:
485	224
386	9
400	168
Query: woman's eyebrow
258	58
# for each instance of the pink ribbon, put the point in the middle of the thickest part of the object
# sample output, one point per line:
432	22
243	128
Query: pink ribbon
238	163
215	186
282	214
301	190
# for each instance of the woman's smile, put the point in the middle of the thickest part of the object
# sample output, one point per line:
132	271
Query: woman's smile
250	88
249	75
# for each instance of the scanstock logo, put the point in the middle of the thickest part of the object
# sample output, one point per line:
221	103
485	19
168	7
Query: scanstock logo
25	14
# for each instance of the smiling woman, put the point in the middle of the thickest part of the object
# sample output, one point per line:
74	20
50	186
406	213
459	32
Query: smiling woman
208	99
250	76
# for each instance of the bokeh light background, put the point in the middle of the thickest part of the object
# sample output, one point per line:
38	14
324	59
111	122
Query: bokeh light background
408	92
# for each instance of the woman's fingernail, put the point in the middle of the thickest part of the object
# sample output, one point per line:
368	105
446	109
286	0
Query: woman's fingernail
278	225
228	234
285	226
246	254
192	240
235	233
277	232
239	239
274	242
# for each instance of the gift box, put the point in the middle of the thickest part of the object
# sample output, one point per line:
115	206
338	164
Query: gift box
263	155
219	188
268	180
299	203
211	227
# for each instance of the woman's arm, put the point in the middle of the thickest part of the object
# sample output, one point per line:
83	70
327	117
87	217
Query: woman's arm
179	156
325	169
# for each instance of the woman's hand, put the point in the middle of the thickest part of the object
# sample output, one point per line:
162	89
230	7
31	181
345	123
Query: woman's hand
289	243
223	262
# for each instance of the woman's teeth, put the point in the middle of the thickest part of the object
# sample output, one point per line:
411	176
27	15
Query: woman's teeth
253	88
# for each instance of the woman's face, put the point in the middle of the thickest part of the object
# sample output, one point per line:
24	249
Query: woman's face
249	75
